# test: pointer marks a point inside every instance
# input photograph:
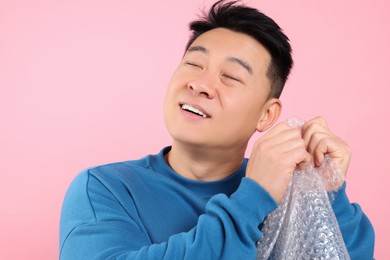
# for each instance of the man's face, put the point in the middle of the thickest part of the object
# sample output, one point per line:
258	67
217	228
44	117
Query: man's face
217	93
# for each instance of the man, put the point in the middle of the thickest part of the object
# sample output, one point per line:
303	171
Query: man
199	198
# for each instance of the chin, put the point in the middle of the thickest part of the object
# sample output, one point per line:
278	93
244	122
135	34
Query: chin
189	139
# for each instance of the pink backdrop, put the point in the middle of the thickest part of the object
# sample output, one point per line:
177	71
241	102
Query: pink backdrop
82	84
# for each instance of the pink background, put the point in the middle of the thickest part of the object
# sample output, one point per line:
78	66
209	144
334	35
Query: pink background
82	83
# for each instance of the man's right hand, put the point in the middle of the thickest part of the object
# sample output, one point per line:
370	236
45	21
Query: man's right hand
275	156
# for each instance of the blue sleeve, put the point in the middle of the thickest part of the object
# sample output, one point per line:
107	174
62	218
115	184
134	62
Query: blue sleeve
355	227
95	226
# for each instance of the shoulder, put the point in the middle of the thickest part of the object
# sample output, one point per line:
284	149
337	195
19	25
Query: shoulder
100	193
109	176
100	183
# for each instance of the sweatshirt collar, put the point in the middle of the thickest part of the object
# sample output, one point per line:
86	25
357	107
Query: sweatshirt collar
206	189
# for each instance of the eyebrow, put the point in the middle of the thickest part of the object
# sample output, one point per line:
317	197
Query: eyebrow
244	64
198	48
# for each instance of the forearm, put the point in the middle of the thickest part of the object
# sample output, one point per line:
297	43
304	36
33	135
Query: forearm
228	229
355	227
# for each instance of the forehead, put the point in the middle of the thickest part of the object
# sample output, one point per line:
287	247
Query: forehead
221	42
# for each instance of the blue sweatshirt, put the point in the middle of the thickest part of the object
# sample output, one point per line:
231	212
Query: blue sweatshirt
142	209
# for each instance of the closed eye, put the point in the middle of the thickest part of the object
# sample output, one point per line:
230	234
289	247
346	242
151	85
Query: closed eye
231	77
194	65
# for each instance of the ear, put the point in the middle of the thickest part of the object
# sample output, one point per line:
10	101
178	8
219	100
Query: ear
269	114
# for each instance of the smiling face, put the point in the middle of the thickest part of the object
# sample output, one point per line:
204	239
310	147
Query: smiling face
217	97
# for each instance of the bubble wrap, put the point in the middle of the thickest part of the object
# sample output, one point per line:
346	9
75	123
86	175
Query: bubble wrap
304	225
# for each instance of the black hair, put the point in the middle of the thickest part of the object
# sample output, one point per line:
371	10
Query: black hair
250	21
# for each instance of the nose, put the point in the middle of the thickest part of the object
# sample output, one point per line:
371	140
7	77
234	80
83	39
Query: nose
203	86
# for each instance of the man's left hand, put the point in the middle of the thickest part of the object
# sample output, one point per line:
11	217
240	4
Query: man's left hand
319	141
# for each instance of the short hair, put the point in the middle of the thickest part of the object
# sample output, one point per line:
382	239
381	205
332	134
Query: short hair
250	21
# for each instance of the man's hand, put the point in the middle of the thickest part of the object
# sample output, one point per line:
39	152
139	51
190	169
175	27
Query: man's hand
275	156
319	141
280	151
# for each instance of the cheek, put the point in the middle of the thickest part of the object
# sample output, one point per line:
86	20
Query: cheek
169	98
177	82
247	104
171	89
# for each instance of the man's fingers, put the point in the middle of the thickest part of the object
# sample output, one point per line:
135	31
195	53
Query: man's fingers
307	161
278	129
313	129
284	139
317	121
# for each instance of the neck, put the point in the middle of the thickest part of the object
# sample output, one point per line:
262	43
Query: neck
204	164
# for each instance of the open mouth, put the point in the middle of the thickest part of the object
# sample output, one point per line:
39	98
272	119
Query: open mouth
193	110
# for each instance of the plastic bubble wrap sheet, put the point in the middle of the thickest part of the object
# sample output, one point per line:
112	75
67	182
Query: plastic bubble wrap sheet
304	225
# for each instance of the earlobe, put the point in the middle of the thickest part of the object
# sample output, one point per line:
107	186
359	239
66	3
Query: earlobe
269	114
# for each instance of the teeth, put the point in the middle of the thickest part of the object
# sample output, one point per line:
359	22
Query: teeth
194	110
